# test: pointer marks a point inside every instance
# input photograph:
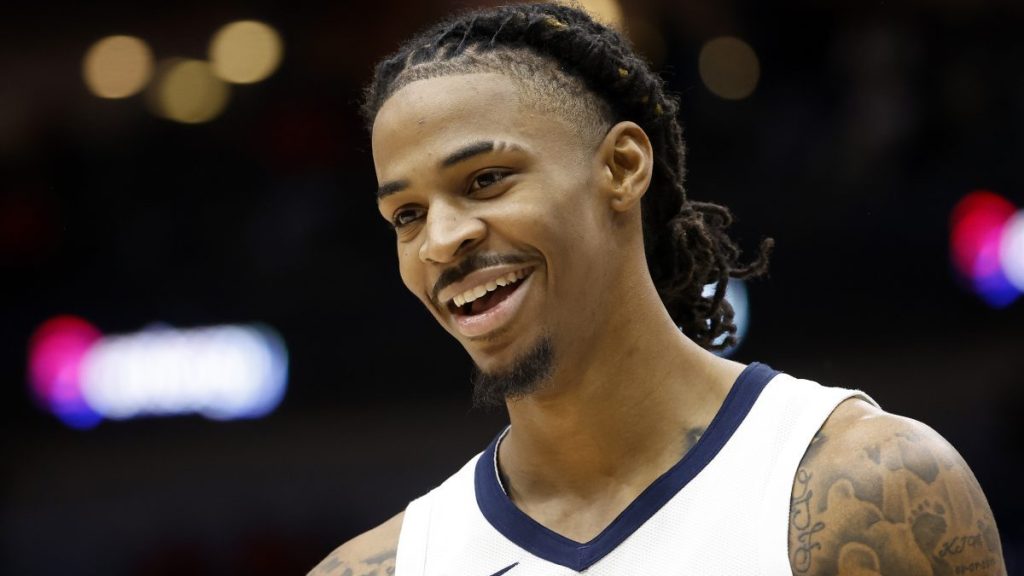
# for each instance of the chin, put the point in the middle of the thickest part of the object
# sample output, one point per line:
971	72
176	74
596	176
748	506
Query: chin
492	362
497	380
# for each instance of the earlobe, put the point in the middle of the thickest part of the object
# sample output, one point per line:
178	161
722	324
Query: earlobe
628	160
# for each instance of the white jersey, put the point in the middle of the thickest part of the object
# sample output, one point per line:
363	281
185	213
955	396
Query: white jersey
722	509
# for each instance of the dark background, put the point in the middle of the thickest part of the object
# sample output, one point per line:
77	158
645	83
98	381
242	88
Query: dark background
870	121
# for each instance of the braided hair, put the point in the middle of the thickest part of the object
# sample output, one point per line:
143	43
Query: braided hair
590	72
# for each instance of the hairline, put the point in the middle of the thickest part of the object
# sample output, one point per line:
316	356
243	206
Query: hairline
586	113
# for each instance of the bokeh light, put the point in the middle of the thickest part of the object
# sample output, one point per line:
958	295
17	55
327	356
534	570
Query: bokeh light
977	227
1011	250
606	11
246	51
729	68
56	352
187	91
222	372
117	66
736	294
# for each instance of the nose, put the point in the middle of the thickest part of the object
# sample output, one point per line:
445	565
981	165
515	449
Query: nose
449	233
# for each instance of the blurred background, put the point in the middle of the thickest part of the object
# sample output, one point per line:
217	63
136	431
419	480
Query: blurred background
209	364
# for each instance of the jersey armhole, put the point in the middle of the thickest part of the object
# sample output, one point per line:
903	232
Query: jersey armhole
411	557
775	513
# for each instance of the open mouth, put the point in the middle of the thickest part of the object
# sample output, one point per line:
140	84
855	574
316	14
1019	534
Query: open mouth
482	298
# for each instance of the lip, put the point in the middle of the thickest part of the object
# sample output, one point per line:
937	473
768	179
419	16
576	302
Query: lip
477	278
486	322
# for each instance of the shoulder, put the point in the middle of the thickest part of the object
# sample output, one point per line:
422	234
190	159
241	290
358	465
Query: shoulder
371	553
878	493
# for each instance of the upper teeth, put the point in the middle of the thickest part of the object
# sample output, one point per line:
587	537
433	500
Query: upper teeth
489	286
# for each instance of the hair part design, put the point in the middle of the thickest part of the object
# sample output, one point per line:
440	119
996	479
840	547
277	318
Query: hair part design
571	65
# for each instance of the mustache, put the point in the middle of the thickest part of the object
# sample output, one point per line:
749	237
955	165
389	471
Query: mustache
471	264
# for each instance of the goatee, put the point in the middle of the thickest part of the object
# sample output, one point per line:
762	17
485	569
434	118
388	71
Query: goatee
527	373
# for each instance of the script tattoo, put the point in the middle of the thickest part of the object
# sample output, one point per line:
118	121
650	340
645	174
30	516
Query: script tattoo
800	520
382	564
958	544
889	496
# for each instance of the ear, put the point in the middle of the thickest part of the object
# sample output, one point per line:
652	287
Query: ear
627	162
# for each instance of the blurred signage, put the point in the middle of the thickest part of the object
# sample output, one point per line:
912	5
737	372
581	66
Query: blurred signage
221	372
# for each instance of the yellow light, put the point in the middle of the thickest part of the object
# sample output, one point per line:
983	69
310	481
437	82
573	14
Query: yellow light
604	11
729	68
187	91
246	51
117	66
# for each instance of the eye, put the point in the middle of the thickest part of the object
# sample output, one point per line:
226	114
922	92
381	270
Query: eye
405	216
485	179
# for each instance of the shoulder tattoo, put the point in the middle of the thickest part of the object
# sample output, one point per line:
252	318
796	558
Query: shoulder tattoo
382	564
893	499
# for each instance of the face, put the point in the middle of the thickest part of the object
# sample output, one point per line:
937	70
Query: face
499	228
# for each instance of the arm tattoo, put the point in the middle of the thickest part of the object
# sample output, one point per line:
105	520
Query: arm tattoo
382	564
897	503
800	520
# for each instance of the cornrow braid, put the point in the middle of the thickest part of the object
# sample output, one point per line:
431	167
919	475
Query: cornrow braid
685	242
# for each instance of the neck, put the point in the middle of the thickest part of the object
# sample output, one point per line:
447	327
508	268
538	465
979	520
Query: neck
620	409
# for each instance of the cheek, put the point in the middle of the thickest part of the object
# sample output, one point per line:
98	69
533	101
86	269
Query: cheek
409	269
568	223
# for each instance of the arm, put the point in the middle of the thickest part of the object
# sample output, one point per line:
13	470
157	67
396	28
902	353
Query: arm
881	494
369	554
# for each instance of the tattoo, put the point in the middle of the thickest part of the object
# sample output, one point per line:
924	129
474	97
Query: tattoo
874	452
989	562
884	502
692	437
817	443
958	544
800	520
382	564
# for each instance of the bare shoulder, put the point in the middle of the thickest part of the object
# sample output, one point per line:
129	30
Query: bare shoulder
371	553
877	493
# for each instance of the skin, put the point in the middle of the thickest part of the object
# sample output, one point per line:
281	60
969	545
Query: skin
628	394
881	494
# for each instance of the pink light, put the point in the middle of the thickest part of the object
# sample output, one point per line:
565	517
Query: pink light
977	237
56	351
977	227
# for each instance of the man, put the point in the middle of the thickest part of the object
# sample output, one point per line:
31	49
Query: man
531	165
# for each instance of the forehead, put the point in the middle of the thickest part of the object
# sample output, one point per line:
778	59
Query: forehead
426	118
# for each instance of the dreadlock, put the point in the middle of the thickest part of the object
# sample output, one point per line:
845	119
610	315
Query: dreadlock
590	71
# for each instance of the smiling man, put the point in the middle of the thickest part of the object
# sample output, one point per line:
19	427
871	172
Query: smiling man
532	166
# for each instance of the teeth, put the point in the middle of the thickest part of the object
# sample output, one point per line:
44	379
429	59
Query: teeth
478	291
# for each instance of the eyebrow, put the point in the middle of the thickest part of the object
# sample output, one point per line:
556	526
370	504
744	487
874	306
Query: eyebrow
390	188
466	152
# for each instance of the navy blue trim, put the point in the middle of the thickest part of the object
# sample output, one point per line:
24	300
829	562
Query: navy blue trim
540	541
